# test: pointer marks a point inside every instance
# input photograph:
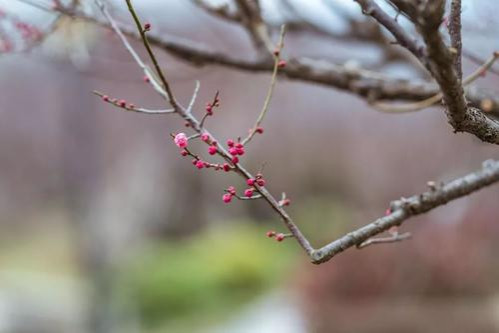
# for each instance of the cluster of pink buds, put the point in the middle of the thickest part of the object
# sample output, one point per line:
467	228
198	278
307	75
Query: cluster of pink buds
118	102
182	141
278	236
227	197
258	180
235	149
28	32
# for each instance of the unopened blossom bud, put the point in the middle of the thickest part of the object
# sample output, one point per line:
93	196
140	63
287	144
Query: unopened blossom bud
233	151
200	164
248	192
231	190
227	197
279	237
270	233
212	150
205	137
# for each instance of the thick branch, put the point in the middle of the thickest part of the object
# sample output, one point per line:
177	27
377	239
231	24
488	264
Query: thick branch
461	117
363	83
415	205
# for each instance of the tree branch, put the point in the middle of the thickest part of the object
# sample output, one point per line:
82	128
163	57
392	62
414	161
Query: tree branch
403	209
461	117
455	35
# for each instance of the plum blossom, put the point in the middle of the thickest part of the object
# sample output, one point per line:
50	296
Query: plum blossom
181	140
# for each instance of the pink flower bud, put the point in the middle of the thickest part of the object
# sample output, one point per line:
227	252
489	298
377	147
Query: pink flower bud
205	137
235	159
250	182
281	63
230	143
270	233
259	130
227	197
226	167
212	150
200	164
184	152
233	151
279	237
248	192
105	98
260	182
147	26
122	103
181	140
231	190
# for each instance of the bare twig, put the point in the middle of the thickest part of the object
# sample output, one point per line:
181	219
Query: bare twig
159	72
142	65
383	240
268	98
127	107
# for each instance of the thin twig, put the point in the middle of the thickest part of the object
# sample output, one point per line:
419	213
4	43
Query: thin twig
273	80
193	98
159	71
133	109
136	57
383	240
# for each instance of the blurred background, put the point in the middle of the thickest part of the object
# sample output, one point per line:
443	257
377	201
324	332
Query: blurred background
105	228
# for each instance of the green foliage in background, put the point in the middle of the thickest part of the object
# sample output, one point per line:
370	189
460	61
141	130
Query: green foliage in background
206	276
